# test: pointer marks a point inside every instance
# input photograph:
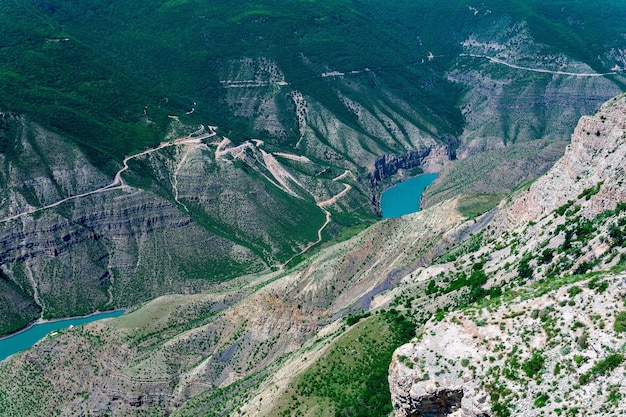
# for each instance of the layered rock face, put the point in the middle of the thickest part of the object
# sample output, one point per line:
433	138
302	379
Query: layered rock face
503	107
593	159
555	340
72	240
179	353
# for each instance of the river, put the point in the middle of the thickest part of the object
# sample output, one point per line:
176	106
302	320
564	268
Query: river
28	337
404	198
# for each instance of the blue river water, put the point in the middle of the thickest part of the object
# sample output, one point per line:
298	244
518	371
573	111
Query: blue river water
26	338
404	198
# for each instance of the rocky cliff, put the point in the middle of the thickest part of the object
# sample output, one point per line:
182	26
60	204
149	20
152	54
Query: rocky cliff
75	238
551	340
214	353
593	161
114	193
531	355
240	349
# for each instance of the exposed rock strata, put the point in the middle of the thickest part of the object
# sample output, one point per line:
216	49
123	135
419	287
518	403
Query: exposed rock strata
595	156
429	159
223	340
502	106
471	350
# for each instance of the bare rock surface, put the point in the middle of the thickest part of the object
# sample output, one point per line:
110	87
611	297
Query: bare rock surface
527	353
595	157
552	340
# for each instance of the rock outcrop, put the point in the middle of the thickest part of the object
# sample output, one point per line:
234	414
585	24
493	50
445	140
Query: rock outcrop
502	106
430	160
556	328
73	241
221	342
531	356
595	158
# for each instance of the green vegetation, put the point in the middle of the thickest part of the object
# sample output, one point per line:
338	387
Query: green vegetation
553	24
351	378
574	290
589	192
524	270
104	73
614	396
472	206
468	246
351	320
599	286
485	178
533	366
17	309
109	75
602	367
620	322
541	400
461	281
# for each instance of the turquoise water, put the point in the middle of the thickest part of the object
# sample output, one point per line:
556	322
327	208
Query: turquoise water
404	198
27	338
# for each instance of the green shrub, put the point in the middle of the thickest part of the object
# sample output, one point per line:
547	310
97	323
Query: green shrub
561	210
599	286
500	409
602	367
620	322
534	365
614	396
574	291
541	400
578	359
524	270
607	364
353	319
588	192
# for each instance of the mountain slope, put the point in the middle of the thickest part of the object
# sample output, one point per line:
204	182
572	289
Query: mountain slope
332	52
552	339
188	351
265	340
315	109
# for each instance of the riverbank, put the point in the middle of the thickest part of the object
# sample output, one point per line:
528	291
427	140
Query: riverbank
36	331
44	321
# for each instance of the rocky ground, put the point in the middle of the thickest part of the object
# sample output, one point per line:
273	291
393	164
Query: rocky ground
552	343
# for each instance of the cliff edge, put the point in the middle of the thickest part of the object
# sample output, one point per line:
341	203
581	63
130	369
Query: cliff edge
549	339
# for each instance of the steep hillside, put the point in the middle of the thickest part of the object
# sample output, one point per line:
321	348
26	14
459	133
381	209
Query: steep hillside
74	239
205	354
216	167
236	138
361	61
543	335
554	348
276	344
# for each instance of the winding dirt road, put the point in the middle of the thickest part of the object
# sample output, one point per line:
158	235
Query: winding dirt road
118	182
546	71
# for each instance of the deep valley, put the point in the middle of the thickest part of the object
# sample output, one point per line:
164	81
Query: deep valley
217	169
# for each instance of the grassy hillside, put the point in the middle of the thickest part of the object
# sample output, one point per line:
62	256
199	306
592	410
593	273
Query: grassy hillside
110	72
324	90
351	378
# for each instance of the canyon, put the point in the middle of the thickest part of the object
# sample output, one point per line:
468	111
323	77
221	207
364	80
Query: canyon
216	170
